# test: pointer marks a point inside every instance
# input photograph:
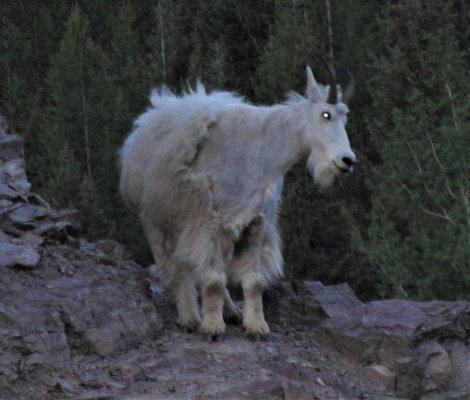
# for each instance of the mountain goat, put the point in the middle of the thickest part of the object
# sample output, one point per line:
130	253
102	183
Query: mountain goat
205	173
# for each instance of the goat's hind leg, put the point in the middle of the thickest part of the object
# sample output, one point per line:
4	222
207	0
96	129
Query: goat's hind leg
246	270
186	302
176	276
213	294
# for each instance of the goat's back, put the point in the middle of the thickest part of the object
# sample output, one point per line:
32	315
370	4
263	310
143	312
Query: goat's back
165	137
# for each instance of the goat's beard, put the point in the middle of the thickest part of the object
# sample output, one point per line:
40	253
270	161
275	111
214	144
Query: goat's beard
322	171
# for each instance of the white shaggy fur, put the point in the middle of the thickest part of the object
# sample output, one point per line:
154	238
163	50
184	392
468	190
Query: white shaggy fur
205	172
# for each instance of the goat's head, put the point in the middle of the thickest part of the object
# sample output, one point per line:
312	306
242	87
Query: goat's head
330	152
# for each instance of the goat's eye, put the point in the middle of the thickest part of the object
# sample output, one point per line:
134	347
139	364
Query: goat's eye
326	115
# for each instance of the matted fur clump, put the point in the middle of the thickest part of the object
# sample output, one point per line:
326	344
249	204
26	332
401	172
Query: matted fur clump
205	172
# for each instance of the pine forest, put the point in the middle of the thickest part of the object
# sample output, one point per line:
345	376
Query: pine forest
75	74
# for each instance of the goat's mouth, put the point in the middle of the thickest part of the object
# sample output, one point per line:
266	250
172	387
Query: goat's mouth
342	171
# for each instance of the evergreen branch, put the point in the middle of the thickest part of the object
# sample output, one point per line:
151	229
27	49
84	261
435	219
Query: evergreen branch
414	155
466	204
426	187
398	286
434	150
449	92
452	194
444	214
401	182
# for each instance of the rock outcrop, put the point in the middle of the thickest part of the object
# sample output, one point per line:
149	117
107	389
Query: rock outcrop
27	221
418	349
59	294
78	320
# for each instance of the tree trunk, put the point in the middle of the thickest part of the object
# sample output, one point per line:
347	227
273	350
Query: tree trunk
330	31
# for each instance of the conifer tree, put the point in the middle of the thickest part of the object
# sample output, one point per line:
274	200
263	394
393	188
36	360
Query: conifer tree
126	61
166	42
75	145
297	40
419	233
28	32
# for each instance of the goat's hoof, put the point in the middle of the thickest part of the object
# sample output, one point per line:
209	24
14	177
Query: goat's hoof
211	337
213	327
189	327
256	330
258	337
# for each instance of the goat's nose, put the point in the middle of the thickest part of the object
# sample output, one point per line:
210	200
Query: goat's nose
348	159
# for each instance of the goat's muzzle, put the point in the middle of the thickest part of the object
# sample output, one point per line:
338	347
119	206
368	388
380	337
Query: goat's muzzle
346	162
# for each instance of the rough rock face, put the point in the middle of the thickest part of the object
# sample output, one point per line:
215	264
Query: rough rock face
26	220
78	320
76	304
60	295
418	349
12	173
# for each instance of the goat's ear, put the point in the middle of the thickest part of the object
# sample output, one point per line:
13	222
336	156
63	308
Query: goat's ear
313	90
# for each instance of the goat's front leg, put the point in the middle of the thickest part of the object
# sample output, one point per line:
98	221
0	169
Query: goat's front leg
213	293
253	316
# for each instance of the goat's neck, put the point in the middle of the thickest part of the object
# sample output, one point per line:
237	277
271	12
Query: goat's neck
284	128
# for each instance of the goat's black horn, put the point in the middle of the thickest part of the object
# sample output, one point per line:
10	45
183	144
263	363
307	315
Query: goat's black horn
333	95
349	90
